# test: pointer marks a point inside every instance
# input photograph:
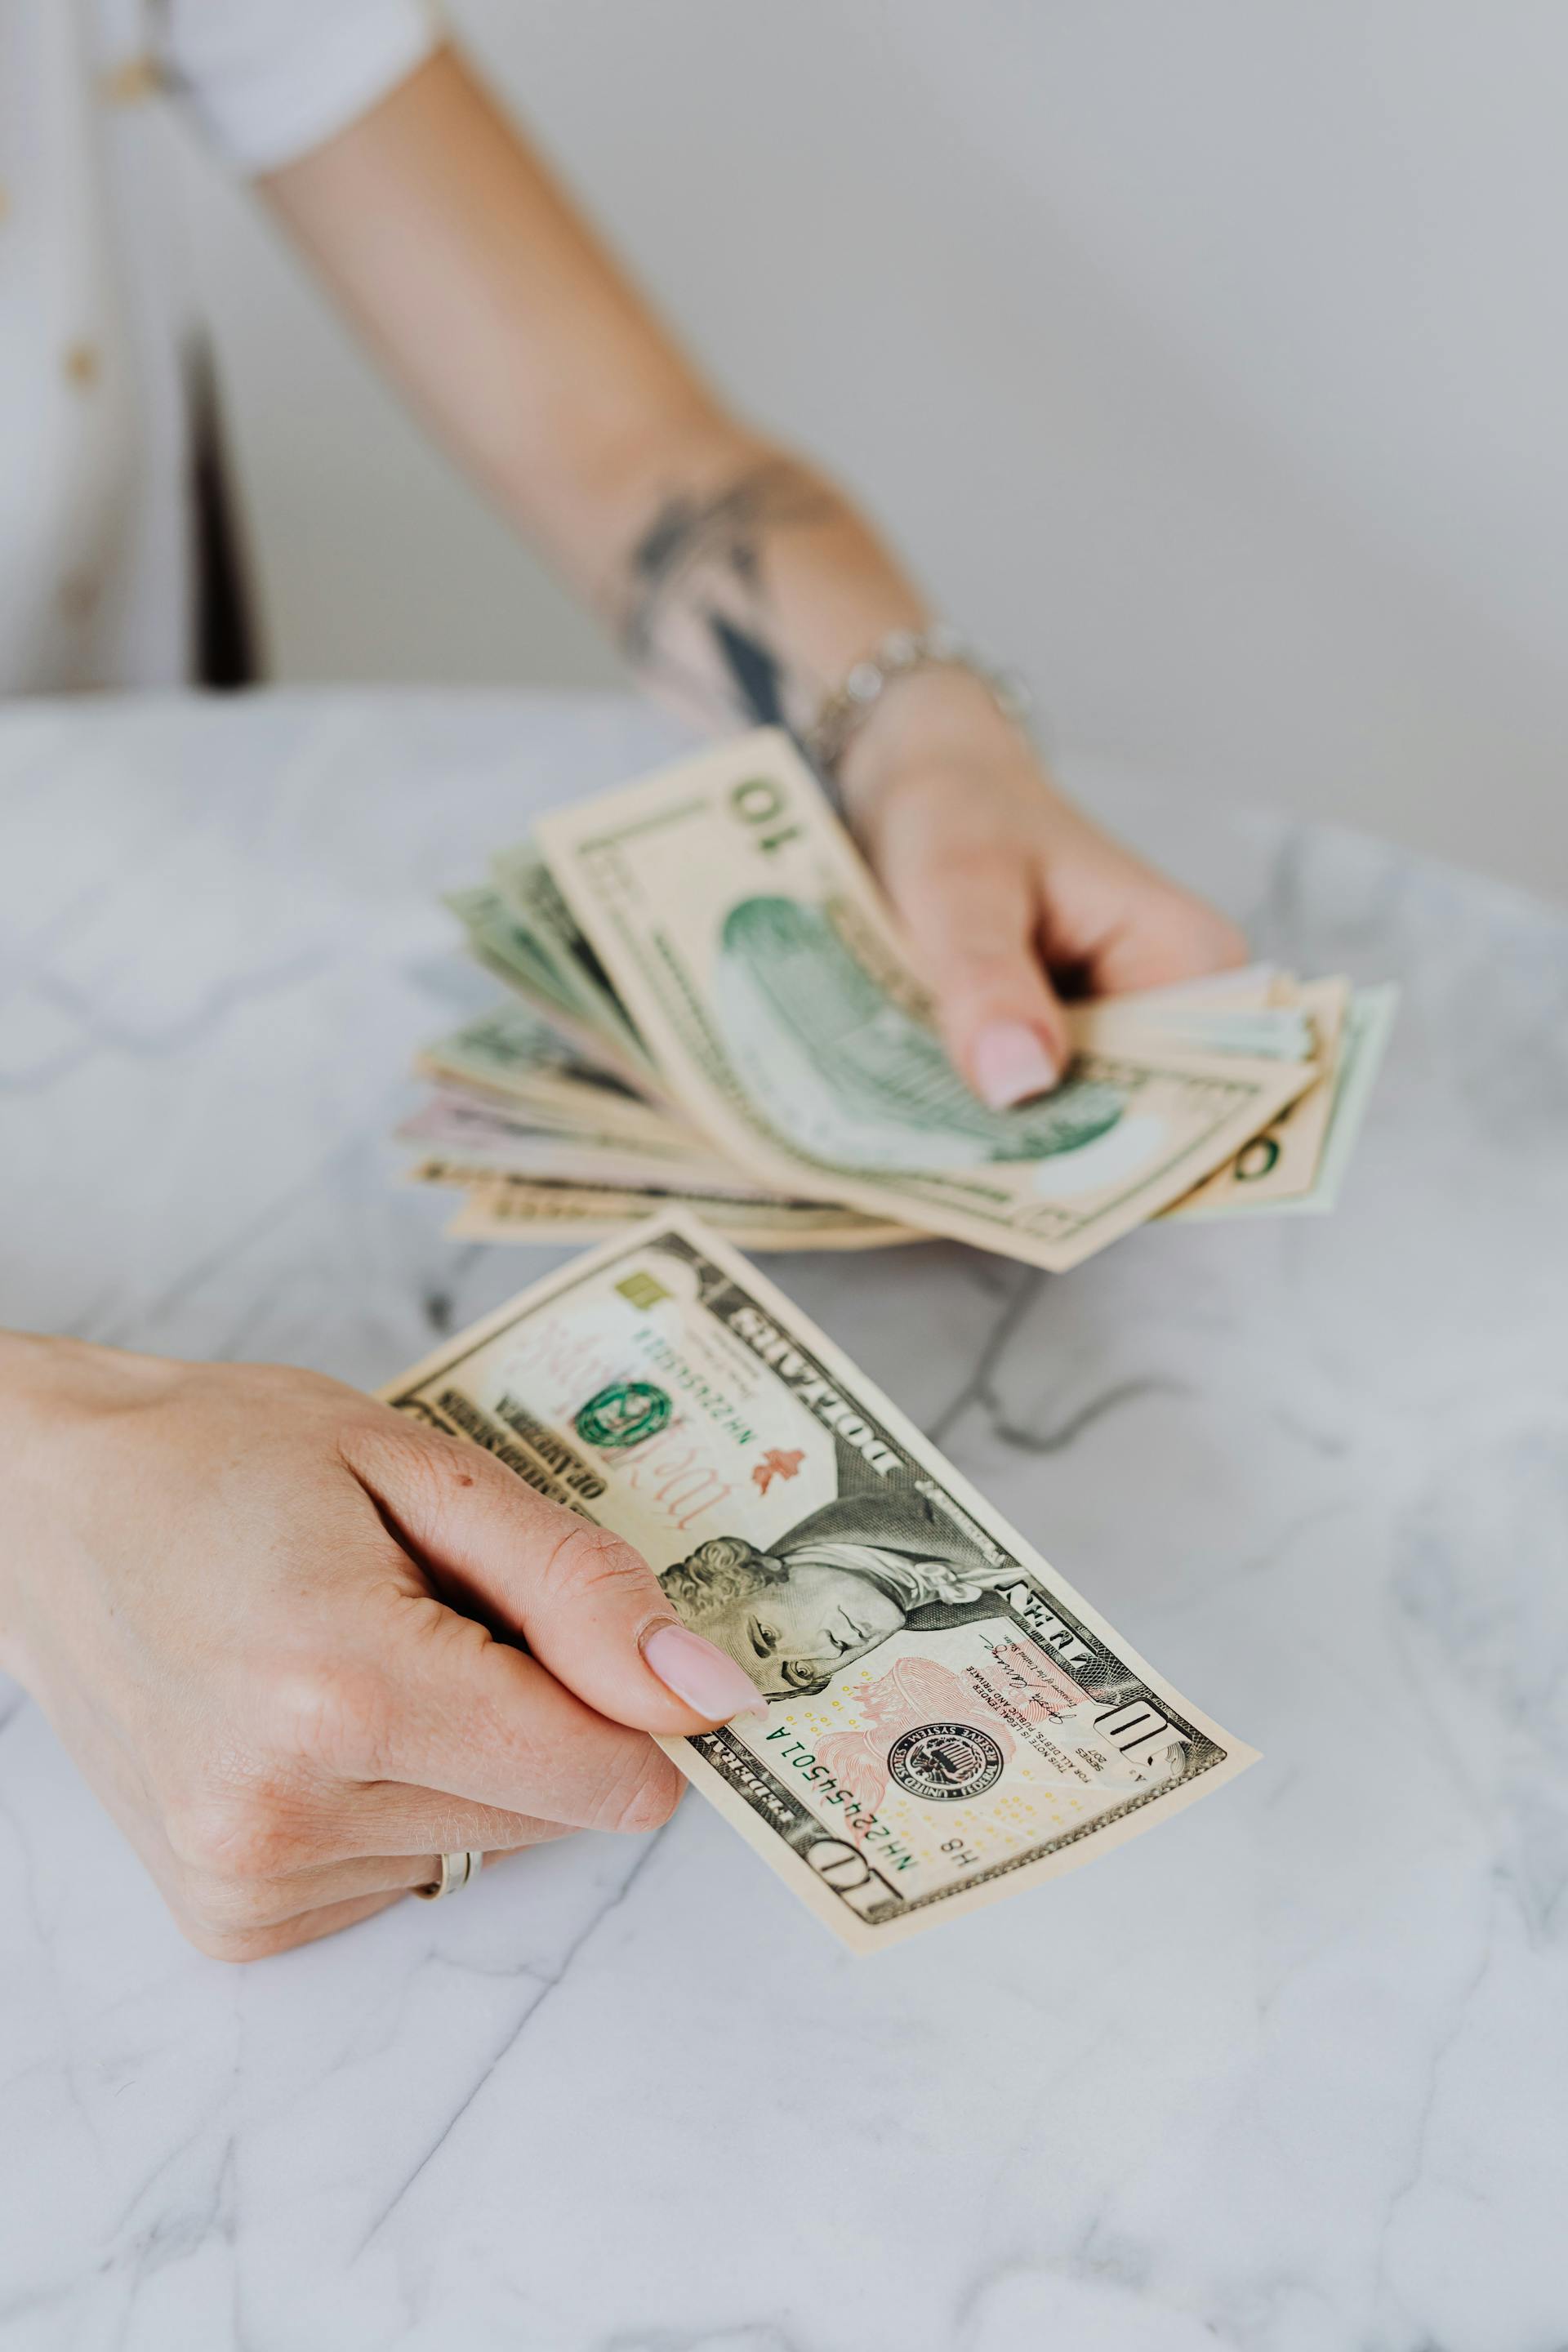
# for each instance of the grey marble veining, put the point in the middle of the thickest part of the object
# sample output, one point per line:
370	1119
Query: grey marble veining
1290	2075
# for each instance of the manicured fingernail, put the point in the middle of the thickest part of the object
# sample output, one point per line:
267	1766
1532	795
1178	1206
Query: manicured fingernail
703	1676
1011	1063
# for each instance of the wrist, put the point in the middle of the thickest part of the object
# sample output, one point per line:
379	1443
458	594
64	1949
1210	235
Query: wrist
54	1396
28	1367
944	716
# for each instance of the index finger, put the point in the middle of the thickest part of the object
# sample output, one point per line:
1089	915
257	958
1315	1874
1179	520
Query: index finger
588	1605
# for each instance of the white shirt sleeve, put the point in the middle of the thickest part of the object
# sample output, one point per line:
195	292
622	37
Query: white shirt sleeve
269	79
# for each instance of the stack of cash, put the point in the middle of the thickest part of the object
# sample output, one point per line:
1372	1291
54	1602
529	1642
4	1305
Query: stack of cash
710	1008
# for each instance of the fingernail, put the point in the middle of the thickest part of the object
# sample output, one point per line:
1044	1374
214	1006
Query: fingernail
1011	1063
709	1682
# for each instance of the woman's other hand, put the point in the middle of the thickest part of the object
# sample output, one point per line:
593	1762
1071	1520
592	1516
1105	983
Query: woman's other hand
1001	882
255	1604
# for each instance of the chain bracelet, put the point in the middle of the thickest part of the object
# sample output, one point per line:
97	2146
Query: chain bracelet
904	651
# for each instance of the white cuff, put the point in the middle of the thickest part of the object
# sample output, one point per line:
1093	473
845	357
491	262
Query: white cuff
269	79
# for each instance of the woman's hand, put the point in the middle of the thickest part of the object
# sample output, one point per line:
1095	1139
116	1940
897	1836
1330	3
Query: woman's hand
250	1600
999	881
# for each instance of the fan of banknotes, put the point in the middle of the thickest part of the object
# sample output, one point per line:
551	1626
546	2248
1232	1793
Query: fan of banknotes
709	1008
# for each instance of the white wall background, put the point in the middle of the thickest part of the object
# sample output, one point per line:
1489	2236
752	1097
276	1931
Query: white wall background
1210	361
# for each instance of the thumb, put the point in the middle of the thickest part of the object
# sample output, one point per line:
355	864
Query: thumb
972	917
587	1604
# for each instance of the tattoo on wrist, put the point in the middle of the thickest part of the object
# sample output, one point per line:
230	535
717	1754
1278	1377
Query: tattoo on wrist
694	617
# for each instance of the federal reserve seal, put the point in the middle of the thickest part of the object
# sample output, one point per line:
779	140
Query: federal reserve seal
624	1413
945	1761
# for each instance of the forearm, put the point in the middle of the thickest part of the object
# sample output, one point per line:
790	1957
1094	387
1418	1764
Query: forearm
37	1405
740	585
53	1393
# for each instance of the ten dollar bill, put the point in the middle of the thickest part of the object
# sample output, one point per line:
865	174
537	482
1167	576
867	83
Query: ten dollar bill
948	1720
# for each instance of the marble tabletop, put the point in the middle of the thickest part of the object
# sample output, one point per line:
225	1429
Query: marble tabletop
1289	2075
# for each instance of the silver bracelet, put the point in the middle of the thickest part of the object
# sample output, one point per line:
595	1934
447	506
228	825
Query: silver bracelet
846	711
